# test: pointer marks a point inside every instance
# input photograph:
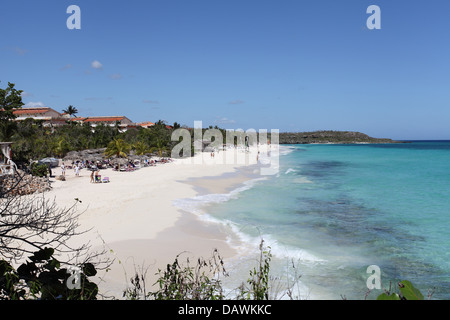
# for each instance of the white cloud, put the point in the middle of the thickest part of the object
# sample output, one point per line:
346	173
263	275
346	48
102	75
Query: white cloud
32	104
236	102
96	65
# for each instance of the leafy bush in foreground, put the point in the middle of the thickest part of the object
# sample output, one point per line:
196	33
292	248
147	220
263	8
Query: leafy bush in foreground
407	292
39	170
203	281
41	277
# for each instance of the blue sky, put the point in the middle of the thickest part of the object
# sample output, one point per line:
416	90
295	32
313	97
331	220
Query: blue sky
291	65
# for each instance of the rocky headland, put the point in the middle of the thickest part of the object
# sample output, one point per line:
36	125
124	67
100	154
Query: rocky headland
336	137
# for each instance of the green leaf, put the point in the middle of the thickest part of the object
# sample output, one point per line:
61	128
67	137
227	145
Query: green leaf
385	296
409	292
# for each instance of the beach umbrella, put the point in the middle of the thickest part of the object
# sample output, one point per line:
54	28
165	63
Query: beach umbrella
53	162
91	158
119	161
72	155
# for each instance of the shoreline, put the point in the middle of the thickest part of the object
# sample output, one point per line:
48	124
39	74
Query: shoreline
133	217
190	237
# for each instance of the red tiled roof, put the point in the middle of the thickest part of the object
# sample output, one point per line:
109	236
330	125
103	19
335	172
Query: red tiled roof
42	110
32	111
103	119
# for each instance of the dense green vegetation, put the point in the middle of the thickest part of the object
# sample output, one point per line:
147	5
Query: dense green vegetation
10	99
33	141
329	136
39	170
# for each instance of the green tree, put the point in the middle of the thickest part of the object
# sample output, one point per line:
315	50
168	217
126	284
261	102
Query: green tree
160	146
176	125
78	136
7	130
61	147
159	137
24	139
141	148
103	134
118	148
10	100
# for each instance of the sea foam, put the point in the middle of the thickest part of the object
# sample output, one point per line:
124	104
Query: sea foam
237	237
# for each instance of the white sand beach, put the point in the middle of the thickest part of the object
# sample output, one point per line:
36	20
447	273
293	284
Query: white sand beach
134	218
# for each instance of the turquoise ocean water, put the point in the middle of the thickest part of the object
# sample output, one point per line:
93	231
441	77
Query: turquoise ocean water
334	210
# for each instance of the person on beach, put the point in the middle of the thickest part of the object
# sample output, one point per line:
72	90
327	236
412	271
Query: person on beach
92	176
77	170
63	169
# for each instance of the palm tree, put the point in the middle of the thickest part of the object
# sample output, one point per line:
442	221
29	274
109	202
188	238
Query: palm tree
118	148
141	148
160	147
71	110
176	125
61	146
